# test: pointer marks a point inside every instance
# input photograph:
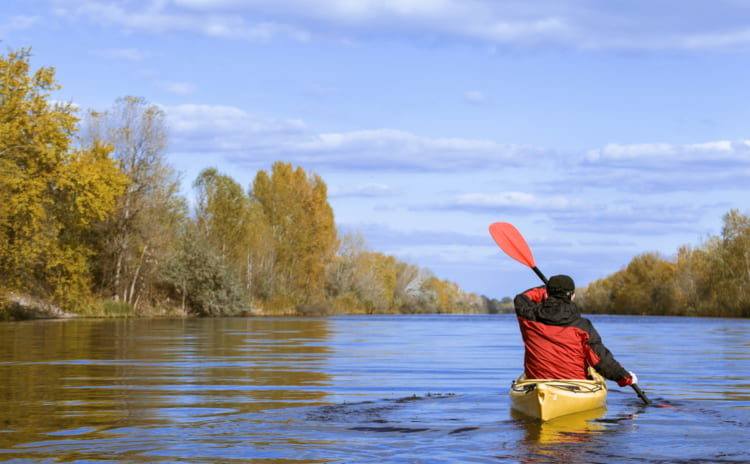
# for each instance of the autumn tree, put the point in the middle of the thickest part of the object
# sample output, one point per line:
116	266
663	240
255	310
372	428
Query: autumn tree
712	279
303	233
343	275
729	257
361	280
692	280
448	297
645	286
139	236
53	189
222	214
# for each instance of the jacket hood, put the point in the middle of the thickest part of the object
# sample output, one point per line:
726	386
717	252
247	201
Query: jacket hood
558	311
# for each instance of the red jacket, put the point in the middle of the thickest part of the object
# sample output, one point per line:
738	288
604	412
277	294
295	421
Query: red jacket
559	343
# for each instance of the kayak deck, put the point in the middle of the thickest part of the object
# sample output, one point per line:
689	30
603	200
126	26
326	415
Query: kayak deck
547	399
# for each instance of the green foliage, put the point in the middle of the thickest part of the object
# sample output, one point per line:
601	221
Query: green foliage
112	308
203	281
222	214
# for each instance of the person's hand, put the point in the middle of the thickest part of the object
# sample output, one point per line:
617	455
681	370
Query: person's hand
625	381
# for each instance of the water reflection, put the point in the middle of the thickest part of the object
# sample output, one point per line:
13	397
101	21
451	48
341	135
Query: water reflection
91	378
573	428
552	441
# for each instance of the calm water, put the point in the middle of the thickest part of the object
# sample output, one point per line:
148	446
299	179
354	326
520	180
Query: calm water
406	389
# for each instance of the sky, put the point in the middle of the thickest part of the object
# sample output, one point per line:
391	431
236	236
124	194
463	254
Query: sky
601	130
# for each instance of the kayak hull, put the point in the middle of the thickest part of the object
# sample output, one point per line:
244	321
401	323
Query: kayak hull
547	399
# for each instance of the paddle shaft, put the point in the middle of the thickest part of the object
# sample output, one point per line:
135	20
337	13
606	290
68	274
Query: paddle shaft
640	394
539	273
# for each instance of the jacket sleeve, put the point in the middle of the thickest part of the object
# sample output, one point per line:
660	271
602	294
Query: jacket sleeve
602	359
525	303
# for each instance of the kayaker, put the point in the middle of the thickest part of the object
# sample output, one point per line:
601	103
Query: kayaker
559	343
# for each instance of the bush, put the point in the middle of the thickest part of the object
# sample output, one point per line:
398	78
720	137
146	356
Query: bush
204	281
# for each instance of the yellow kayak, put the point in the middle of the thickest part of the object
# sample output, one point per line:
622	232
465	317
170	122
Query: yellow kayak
547	399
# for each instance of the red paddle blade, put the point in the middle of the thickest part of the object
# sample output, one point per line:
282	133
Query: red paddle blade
512	242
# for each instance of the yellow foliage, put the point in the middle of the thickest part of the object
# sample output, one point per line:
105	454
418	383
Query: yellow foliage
303	231
710	280
50	193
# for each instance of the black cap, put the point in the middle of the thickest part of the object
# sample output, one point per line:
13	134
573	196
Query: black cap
561	284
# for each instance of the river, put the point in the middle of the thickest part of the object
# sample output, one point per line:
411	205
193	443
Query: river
357	389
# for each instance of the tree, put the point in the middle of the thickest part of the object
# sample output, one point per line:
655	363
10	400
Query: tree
450	298
646	286
692	280
730	265
366	281
303	233
137	239
222	214
237	229
52	193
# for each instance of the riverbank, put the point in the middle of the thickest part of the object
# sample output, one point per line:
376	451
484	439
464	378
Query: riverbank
16	307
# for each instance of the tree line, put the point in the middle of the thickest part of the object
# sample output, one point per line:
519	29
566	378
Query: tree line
712	279
92	221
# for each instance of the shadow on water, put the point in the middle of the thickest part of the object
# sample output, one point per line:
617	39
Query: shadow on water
380	413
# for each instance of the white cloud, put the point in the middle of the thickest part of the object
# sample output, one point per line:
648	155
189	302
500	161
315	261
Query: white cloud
131	54
529	32
231	133
730	39
246	138
474	96
724	150
513	23
159	17
514	200
18	23
178	88
616	152
395	149
635	217
213	123
372	189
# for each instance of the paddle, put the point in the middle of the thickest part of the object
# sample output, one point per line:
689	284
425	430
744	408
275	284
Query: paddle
510	240
513	244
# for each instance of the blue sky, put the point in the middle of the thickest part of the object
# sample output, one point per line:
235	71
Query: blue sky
600	129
